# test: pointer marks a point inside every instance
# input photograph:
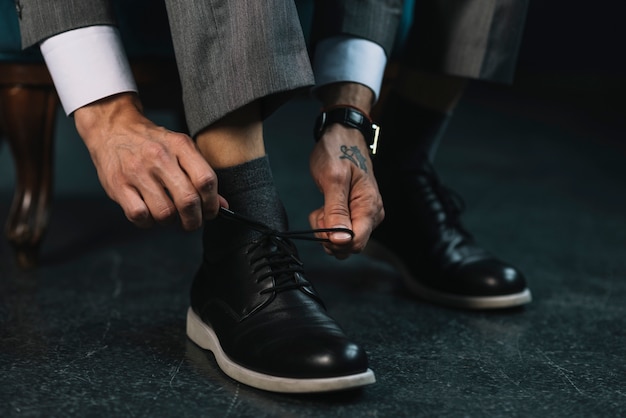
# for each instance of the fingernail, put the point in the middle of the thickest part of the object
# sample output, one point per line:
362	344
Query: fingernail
342	235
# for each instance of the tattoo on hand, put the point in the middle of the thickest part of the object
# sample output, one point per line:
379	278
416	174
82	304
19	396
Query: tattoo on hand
354	154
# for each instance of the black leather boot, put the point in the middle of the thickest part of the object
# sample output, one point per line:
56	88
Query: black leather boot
253	308
438	258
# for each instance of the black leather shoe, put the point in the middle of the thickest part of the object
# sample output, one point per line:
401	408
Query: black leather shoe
252	307
438	258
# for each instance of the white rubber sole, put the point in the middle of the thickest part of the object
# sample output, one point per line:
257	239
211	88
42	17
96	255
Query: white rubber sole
203	336
378	251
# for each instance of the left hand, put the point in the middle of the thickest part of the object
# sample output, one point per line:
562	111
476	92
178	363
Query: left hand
341	167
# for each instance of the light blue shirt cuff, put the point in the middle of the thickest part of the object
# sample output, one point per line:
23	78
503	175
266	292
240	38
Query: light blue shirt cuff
349	59
86	65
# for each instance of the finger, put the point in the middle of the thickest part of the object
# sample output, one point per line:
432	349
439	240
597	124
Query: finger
149	186
338	250
223	202
316	220
203	179
367	213
362	228
187	203
157	198
337	213
135	209
135	198
167	189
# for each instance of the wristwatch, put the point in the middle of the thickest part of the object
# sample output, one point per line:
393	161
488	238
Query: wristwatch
351	117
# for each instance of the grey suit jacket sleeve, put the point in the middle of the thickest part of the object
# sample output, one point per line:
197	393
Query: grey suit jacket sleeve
41	19
374	20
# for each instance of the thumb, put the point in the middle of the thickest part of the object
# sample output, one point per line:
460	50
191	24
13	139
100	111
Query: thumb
337	215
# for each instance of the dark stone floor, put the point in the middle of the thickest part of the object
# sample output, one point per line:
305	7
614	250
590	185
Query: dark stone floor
99	328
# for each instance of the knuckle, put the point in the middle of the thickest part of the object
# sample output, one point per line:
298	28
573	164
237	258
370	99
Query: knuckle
206	182
179	139
190	202
339	210
336	174
137	215
157	152
131	168
165	213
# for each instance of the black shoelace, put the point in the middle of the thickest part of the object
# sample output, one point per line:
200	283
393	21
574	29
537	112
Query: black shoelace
280	260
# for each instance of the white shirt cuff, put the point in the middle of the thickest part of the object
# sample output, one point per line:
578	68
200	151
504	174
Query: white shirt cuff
349	59
87	64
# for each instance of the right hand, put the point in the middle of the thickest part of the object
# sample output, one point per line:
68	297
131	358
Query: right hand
154	174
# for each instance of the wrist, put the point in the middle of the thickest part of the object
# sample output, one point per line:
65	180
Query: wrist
352	117
94	114
346	93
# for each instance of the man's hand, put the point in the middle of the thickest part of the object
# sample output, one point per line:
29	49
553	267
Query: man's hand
341	167
154	174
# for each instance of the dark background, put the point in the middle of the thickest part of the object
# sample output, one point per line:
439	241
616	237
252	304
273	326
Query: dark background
575	38
575	48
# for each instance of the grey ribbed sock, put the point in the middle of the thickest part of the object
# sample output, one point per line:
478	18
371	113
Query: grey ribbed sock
250	191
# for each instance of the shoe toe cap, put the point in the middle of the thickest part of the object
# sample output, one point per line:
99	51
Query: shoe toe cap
310	357
491	277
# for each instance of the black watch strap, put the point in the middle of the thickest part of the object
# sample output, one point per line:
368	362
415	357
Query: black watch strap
351	117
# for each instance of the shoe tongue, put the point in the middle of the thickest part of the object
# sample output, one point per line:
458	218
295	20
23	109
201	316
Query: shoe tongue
223	235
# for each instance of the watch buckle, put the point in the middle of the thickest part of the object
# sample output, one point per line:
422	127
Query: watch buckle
374	145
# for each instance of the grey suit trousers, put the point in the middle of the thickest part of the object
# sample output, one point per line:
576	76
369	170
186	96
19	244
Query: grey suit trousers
374	20
229	52
477	39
